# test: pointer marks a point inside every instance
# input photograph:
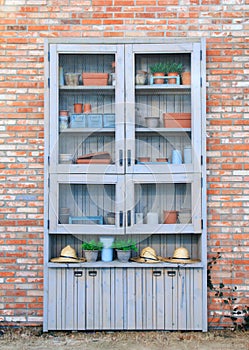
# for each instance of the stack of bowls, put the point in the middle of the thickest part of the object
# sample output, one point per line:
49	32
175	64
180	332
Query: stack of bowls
66	158
184	216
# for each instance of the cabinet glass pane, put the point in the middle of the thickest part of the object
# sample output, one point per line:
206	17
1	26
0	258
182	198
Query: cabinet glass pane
86	108
86	204
164	203
162	111
163	147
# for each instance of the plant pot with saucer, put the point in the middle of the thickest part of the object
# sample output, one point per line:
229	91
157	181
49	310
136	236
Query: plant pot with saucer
91	250
158	70
173	69
124	249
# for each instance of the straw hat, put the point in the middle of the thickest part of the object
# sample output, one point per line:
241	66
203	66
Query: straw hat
148	255
180	256
68	255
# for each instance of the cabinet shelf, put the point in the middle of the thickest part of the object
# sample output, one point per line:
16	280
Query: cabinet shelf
117	264
110	88
162	130
87	130
162	89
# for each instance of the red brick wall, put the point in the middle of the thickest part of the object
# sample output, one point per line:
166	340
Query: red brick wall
23	26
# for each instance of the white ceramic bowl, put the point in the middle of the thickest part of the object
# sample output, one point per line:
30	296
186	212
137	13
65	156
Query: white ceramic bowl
152	122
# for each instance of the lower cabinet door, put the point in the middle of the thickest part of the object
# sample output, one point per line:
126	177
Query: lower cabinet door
125	298
105	302
183	299
66	299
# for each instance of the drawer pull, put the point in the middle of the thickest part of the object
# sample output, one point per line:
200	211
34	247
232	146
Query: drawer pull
78	273
157	273
92	273
171	273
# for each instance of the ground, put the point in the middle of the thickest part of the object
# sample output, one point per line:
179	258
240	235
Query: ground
27	338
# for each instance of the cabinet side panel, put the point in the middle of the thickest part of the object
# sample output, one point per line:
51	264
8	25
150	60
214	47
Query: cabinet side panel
52	299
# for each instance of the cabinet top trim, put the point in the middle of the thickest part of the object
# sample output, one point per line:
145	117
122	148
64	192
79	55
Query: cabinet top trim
123	40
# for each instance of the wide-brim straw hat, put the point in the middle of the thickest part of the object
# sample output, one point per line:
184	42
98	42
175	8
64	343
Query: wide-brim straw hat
180	256
68	255
147	256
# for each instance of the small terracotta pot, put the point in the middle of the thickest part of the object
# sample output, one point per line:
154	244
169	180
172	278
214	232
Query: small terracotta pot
162	160
87	108
170	216
64	113
186	78
144	159
172	80
78	107
158	81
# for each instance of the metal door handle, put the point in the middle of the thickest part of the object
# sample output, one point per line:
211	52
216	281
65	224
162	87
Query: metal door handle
171	273
129	157
157	273
78	273
92	273
128	218
121	157
121	218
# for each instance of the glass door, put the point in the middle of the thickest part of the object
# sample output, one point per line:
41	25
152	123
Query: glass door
87	204
162	119
163	203
87	113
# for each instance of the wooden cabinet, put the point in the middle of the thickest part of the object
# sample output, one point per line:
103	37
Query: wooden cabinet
124	145
125	298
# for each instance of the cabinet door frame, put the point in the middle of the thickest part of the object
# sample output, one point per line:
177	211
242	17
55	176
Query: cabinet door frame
197	112
193	179
53	71
86	179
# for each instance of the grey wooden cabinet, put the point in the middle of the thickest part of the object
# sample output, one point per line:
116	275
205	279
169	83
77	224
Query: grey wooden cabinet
125	298
139	152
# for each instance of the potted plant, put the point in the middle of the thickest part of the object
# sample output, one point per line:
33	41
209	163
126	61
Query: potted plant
173	69
91	249
158	69
124	249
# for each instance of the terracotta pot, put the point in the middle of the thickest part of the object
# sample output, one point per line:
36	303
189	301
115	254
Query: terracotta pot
158	81
169	216
87	108
162	160
144	159
64	113
92	79
186	78
172	80
78	107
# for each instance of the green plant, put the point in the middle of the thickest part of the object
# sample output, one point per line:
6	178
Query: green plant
92	245
128	244
158	68
174	67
